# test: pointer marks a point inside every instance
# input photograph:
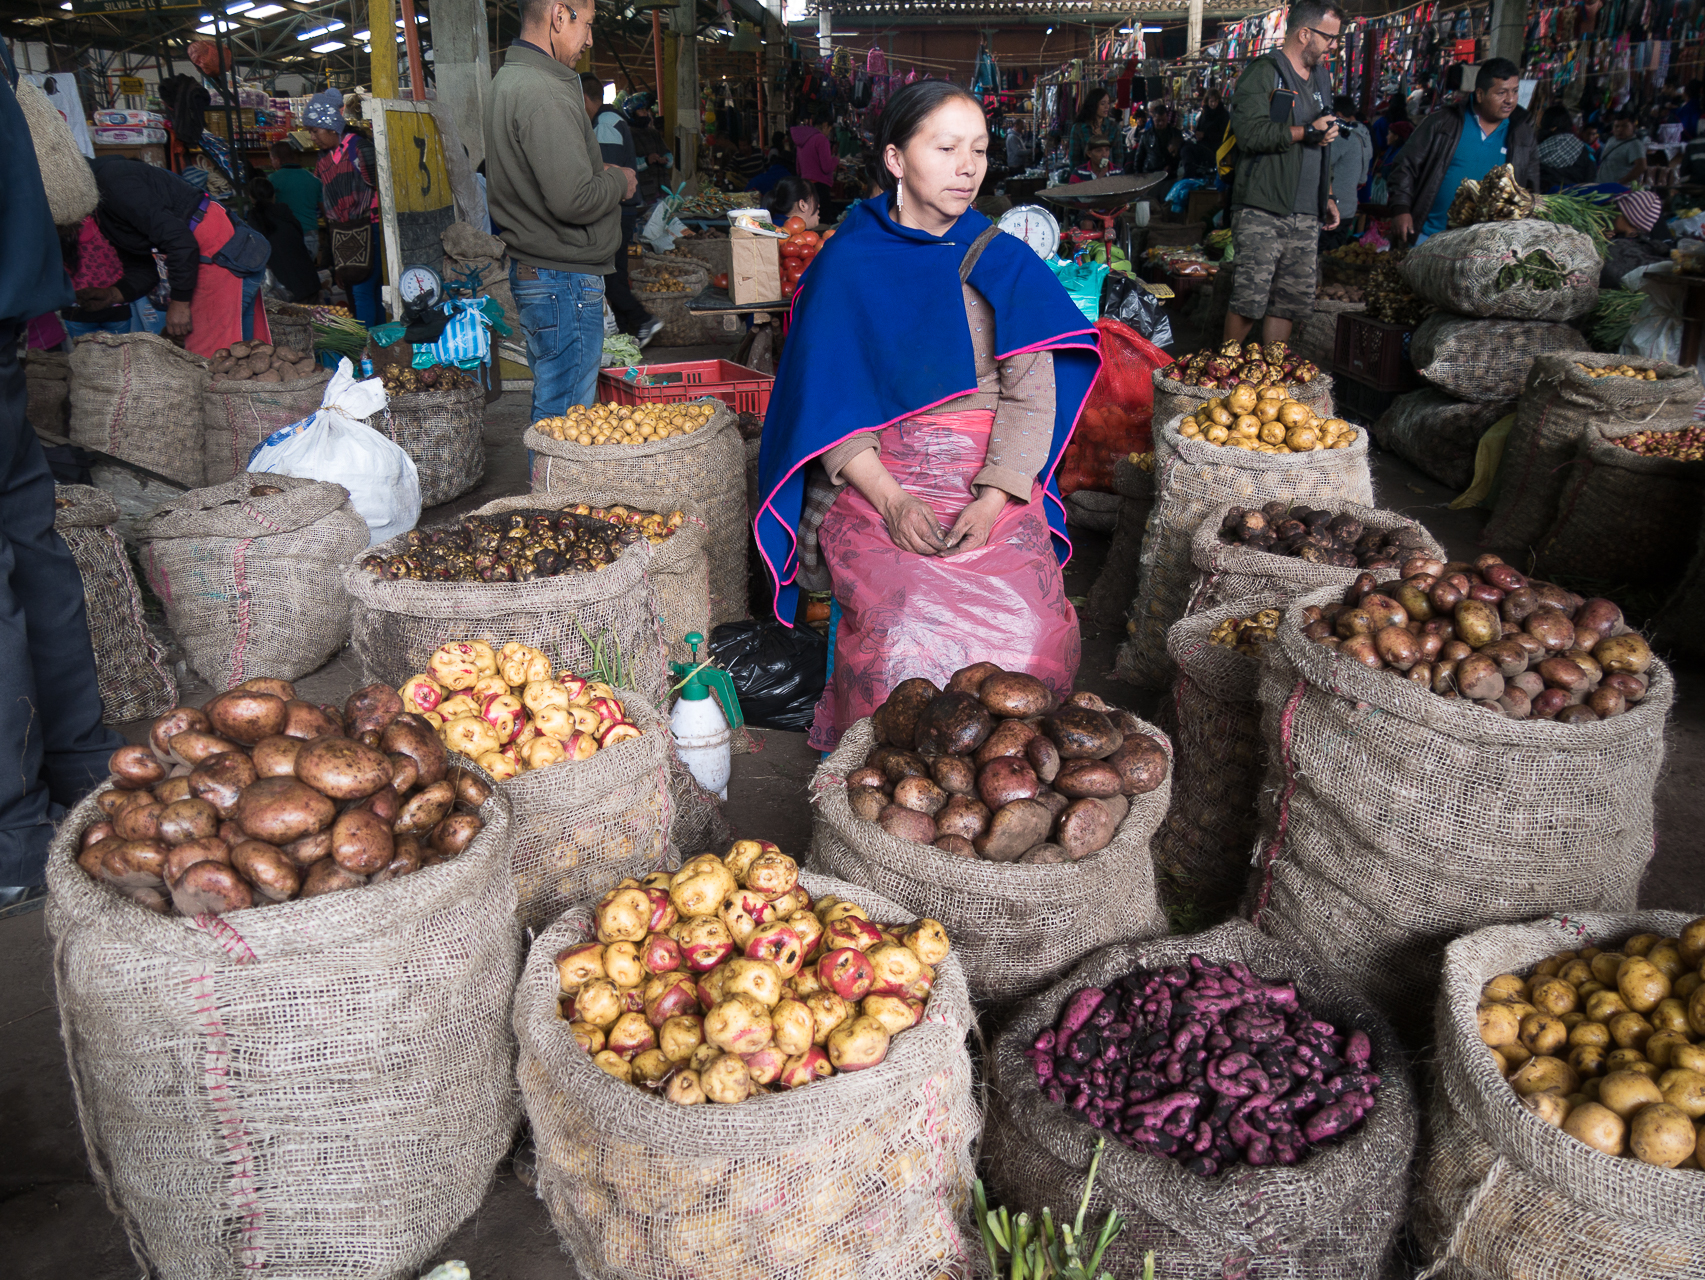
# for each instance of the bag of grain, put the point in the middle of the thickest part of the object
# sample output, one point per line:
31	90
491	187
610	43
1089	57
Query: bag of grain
1485	360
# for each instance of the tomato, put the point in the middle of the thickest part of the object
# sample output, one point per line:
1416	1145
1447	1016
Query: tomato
811	238
808	252
793	225
790	247
827	234
720	281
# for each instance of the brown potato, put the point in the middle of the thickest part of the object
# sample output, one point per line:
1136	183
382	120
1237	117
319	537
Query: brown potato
471	790
135	768
955	774
959	846
964	816
1014	694
451	836
1661	1134
1013	829
342	768
1478	678
907	824
1044	757
211	888
326	876
1041	855
186	855
310	848
193	747
222	779
406	735
275	757
1081	778
1625	1092
1082	734
280	810
404	773
954	724
896	720
425	809
1598	1127
1629	653
247	717
867	803
303	720
1641	984
187	819
1141	763
139	821
896	764
1087	826
1005	779
1009	738
970	679
361	842
371	708
1477	623
1551	627
134	864
178	720
920	794
271	875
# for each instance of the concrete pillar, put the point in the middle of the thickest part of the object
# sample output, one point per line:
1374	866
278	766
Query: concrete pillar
382	27
825	28
462	52
1193	39
1509	29
685	126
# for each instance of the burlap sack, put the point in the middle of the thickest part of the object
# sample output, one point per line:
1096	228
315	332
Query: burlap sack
1437	435
1393	819
1231	574
580	827
291	325
1485	360
1174	399
65	175
1465	270
131	667
47	389
680	327
237	416
466	248
250	584
1192	478
1317	340
1110	597
444	432
1558	404
715	251
1013	927
1624	517
138	397
707	468
1333	1216
1679	627
1201	851
866	1174
320	1088
1091	509
396	624
1504	1196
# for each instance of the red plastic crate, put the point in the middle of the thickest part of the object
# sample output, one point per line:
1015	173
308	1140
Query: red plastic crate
1374	353
741	389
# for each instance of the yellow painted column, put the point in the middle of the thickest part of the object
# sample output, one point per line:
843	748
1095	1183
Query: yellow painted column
382	26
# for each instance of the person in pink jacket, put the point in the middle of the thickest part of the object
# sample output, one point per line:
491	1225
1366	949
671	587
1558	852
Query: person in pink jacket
814	161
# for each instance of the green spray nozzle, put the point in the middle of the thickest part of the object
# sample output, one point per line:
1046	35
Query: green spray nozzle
696	680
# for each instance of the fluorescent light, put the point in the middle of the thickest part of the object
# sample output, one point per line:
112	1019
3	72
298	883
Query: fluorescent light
363	36
66	5
208	30
240	6
1151	29
419	18
1049	32
328	46
266	11
320	31
1124	31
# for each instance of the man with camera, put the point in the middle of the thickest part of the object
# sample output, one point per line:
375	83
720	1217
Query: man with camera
1444	150
1282	189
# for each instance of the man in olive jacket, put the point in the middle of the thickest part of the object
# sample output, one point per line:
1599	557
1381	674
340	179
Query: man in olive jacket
1281	194
554	201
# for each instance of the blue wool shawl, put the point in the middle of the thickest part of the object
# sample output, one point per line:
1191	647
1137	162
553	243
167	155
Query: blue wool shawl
878	334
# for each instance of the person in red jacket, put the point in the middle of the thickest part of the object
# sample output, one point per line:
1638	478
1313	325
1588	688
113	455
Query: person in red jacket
815	160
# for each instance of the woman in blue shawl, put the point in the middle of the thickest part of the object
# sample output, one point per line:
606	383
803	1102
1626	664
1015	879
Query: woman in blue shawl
932	377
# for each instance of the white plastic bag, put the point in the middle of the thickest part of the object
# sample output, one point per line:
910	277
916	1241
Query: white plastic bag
336	445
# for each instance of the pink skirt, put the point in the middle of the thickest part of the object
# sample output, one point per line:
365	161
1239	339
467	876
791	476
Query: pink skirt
905	615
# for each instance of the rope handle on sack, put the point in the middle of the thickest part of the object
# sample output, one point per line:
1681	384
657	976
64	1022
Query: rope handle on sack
1493	1172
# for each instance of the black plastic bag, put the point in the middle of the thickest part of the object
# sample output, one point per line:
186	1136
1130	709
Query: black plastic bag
1129	303
778	673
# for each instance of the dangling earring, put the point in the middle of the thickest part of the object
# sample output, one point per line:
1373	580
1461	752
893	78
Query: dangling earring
899	195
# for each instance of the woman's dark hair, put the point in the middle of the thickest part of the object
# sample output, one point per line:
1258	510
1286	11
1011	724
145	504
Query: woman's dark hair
787	193
1086	114
1555	120
904	116
261	191
1399	108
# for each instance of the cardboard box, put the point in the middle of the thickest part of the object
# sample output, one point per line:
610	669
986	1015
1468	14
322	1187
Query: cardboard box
754	274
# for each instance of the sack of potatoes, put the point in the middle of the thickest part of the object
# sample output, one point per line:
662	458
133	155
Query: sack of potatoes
260	362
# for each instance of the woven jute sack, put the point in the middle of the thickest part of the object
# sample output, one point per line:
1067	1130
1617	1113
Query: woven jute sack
678	574
444	432
1193	478
1318	338
680	327
237	416
320	1088
1014	927
292	326
65	175
134	675
865	1174
466	248
707	467
1174	399
250	582
1110	597
1201	851
1232	573
1502	1195
397	624
1557	406
138	397
1437	435
1485	360
47	387
1091	509
715	254
1679	627
1623	515
1371	779
581	826
1334	1215
1465	270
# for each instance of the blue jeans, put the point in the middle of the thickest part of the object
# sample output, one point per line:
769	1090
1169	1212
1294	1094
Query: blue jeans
563	314
144	317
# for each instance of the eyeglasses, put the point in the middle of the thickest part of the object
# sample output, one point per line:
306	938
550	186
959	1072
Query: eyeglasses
1330	40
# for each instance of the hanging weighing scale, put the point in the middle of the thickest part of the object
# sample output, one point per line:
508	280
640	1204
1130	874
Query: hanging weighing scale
420	290
1035	226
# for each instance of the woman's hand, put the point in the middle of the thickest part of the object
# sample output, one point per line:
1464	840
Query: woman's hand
911	523
972	528
178	320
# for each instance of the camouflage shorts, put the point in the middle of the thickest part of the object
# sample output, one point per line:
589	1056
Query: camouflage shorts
1275	260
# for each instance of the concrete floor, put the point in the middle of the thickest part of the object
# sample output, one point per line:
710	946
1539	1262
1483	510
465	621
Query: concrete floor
54	1224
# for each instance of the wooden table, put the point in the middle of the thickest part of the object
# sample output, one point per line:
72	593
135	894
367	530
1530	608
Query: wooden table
712	301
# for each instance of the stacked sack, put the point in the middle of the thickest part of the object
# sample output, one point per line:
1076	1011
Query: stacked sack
1477	349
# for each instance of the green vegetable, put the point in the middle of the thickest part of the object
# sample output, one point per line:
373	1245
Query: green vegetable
1050	1253
1537	268
621	350
1591	215
1607	324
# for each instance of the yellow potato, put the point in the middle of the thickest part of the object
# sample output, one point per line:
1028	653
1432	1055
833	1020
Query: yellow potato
1543	1034
1598	1127
1541	1073
1625	1092
1661	1134
1273	433
1641	984
1630	1031
1554	996
1684	1089
1661	1045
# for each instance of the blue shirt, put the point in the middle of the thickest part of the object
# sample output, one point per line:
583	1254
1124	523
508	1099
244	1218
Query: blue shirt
1477	154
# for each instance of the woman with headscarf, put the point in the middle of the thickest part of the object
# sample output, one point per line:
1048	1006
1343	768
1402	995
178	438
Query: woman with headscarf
1563	158
933	375
348	173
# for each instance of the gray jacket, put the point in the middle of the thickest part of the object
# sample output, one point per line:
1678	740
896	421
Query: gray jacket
1350	153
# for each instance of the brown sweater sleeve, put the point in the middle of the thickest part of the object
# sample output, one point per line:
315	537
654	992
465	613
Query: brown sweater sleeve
1024	425
837	458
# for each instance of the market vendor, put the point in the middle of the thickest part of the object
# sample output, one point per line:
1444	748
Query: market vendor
794	198
211	262
1631	241
932	377
348	173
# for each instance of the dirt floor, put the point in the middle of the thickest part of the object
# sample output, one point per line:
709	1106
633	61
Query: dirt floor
54	1224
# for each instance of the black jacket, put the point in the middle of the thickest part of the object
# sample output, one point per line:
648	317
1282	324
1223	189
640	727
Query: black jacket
621	153
290	262
32	279
143	208
1413	182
